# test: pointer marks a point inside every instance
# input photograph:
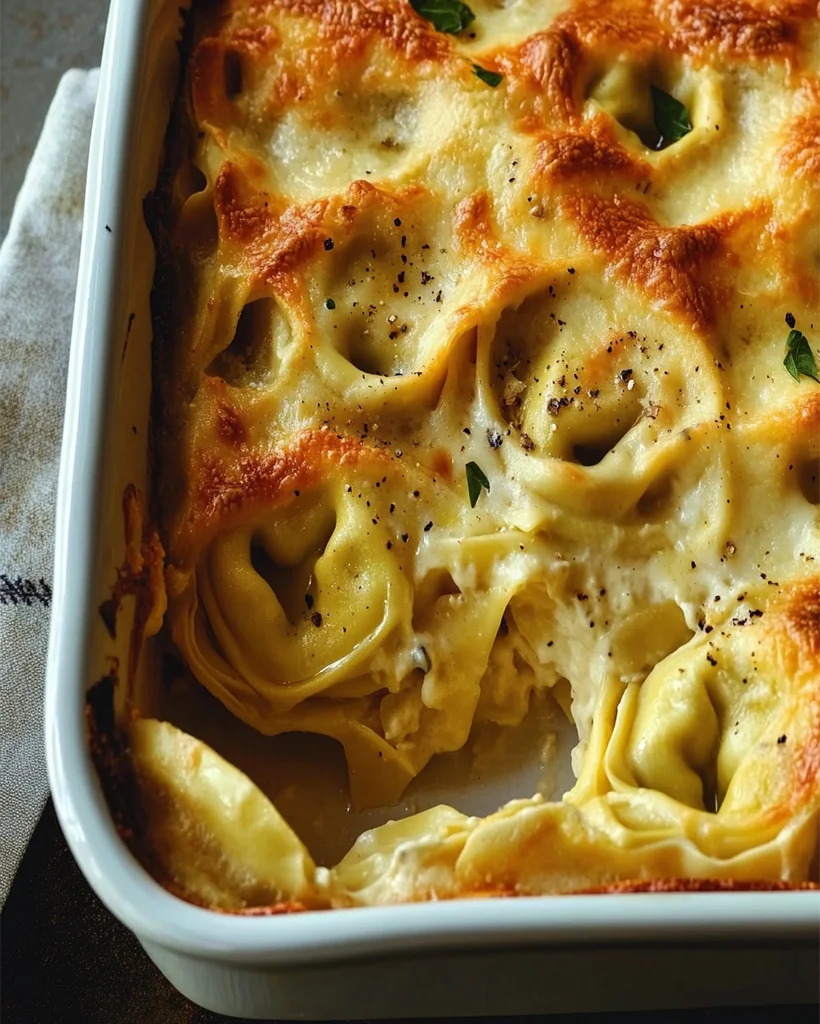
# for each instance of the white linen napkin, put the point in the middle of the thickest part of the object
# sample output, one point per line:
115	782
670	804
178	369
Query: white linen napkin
38	274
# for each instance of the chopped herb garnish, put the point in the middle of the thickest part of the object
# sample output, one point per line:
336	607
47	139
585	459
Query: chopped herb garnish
671	118
446	15
799	357
476	479
491	78
330	304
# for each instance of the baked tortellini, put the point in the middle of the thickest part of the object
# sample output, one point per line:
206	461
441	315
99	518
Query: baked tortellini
485	382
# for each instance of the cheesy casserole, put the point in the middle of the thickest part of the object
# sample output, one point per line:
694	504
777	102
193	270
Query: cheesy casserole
485	378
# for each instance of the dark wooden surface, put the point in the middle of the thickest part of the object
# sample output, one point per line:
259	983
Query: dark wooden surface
65	959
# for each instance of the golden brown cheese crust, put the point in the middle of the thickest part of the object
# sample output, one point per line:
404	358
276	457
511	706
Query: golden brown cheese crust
227	491
374	269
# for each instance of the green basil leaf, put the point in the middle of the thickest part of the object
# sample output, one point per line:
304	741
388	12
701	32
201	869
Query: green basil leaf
446	15
476	479
791	366
671	118
491	78
800	359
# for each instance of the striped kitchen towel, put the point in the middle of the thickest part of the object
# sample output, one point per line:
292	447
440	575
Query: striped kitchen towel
38	271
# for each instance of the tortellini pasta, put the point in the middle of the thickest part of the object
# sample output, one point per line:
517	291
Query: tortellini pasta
470	392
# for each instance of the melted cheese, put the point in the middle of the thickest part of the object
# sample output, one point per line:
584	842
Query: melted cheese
376	269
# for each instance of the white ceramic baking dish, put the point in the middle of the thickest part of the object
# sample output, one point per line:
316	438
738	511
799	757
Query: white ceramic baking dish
452	958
